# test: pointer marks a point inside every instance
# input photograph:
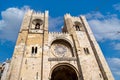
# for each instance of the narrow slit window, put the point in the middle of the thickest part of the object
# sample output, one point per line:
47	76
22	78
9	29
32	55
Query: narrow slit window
37	75
35	50
32	50
26	61
86	50
100	75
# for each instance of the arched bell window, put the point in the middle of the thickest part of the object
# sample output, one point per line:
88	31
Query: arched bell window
37	23
37	26
78	26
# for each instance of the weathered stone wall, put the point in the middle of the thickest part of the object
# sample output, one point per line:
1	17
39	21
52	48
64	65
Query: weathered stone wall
28	65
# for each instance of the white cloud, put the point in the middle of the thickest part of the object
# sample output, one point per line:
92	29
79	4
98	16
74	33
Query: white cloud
114	64
94	15
105	27
55	23
10	23
116	45
117	6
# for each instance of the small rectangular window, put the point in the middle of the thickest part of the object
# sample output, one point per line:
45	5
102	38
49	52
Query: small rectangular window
86	50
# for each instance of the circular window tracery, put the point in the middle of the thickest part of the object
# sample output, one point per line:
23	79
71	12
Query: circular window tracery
61	48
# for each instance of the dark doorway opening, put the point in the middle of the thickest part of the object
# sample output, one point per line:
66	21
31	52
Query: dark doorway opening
64	72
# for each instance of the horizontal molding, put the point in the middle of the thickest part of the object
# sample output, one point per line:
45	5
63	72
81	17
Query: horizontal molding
63	59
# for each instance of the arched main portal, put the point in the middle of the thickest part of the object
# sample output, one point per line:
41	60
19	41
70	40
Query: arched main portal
64	72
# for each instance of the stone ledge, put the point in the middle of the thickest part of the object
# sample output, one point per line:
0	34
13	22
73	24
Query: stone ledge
62	59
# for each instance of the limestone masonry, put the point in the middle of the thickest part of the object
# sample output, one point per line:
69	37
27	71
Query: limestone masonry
72	54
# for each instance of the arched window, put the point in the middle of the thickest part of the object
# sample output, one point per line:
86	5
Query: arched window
37	26
37	23
77	27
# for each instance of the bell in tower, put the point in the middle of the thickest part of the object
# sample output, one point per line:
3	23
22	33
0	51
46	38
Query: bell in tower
37	23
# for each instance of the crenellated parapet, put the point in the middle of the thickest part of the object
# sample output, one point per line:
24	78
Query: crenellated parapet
38	13
73	18
58	34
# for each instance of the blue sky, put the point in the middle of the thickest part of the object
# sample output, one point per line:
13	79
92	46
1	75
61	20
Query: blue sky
102	15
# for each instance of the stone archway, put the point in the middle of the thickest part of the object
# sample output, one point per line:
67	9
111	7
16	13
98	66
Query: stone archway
64	72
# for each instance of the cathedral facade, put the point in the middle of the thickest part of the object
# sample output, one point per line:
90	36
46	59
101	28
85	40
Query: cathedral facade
72	54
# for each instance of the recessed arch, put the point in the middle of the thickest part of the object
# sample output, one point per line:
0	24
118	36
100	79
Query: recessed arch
64	71
61	38
63	43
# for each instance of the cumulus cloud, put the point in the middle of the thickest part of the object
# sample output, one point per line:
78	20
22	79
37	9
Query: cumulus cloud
117	6
114	65
95	15
12	19
10	22
104	27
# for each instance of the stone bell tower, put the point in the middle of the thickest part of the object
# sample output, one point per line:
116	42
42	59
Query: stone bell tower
72	54
27	60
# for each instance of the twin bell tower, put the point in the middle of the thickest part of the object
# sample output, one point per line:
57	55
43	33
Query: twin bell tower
72	54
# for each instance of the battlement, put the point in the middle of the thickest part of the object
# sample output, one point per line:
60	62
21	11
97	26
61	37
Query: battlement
67	15
38	13
30	11
73	18
58	33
